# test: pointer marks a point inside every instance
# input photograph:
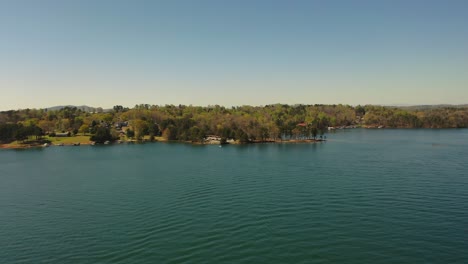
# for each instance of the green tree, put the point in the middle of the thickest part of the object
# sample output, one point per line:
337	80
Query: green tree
102	135
130	133
84	129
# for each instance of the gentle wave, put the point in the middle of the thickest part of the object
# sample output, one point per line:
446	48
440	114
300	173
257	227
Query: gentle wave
365	197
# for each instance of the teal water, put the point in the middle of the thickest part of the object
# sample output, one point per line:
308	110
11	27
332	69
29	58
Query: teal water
365	196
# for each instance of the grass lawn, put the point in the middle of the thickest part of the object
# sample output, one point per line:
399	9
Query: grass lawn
31	142
59	140
14	144
68	140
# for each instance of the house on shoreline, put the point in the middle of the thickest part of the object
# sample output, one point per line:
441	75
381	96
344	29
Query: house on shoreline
65	134
212	139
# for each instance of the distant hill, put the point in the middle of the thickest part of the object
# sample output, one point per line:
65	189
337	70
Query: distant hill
427	107
84	108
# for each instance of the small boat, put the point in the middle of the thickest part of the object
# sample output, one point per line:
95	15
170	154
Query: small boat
60	144
46	145
93	143
107	142
76	144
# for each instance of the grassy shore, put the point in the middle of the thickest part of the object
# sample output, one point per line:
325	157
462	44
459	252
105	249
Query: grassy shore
84	140
32	142
69	140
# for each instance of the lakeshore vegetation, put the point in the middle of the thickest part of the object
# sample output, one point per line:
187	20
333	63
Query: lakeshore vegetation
195	123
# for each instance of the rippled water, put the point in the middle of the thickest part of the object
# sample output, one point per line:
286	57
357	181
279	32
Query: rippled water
366	196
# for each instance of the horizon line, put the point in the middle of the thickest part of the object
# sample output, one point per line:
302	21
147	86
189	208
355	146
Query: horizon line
230	106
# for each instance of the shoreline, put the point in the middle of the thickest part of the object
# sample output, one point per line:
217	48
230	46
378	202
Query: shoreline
41	145
30	146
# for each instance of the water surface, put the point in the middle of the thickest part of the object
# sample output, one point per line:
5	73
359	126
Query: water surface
365	196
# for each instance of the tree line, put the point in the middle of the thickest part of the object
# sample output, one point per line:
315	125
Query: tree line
243	123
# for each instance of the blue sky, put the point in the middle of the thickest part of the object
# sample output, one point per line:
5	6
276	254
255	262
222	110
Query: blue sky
103	53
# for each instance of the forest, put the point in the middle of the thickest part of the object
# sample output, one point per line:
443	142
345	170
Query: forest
242	123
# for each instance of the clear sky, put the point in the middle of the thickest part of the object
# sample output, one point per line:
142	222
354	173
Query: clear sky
103	53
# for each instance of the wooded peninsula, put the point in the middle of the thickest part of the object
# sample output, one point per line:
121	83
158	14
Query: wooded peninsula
207	124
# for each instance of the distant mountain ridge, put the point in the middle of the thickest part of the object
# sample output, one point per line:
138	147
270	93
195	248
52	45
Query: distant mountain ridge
92	109
84	108
425	107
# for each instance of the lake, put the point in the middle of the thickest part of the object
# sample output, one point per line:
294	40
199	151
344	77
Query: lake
365	196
